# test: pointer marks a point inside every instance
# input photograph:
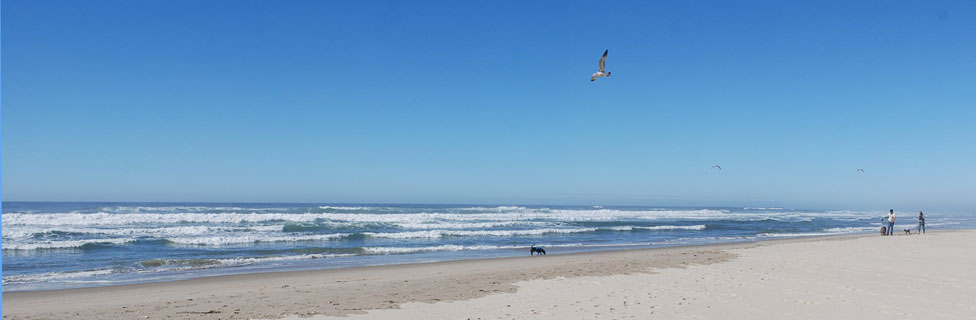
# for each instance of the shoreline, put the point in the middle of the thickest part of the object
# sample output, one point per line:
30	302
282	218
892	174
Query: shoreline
623	248
63	245
356	290
12	299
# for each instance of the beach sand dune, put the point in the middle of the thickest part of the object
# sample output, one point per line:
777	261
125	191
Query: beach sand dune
845	277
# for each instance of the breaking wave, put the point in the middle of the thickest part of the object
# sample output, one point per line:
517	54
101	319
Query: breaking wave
64	244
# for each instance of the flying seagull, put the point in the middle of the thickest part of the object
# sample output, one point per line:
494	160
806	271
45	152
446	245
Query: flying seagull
716	166
860	170
603	66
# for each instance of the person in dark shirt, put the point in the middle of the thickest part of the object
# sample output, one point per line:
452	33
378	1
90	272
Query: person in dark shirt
921	222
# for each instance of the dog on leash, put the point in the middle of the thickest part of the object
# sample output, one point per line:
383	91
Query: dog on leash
533	250
884	231
908	231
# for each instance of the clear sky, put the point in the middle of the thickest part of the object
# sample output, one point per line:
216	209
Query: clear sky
490	102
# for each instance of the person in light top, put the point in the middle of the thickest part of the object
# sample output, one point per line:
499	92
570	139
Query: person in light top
891	222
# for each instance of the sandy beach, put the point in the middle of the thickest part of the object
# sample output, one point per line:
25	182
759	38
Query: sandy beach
863	276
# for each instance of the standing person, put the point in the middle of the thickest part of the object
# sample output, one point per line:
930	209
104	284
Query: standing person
891	222
921	222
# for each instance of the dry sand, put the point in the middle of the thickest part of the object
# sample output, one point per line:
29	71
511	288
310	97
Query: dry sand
906	277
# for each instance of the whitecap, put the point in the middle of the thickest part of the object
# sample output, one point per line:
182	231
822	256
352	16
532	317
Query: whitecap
53	276
65	244
255	238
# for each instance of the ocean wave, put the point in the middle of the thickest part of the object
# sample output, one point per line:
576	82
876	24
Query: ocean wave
255	238
187	264
473	225
536	215
35	232
187	209
344	208
54	276
630	228
104	218
253	260
196	241
163	265
66	244
493	209
522	232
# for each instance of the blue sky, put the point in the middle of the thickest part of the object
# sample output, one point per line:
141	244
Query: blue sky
490	102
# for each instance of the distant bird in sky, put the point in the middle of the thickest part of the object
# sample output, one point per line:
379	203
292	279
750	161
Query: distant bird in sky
603	67
860	170
716	166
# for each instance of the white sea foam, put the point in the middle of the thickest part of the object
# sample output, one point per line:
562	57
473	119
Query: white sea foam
245	261
252	238
27	232
347	208
167	265
54	276
630	228
482	233
472	225
849	229
493	209
540	215
446	247
64	244
452	247
524	232
177	264
794	234
171	209
104	218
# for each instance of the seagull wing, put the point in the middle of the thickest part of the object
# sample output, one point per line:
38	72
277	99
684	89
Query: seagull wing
603	61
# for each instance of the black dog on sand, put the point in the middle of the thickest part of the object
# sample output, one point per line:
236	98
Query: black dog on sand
533	250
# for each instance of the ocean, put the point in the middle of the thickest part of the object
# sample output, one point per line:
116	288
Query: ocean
55	245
